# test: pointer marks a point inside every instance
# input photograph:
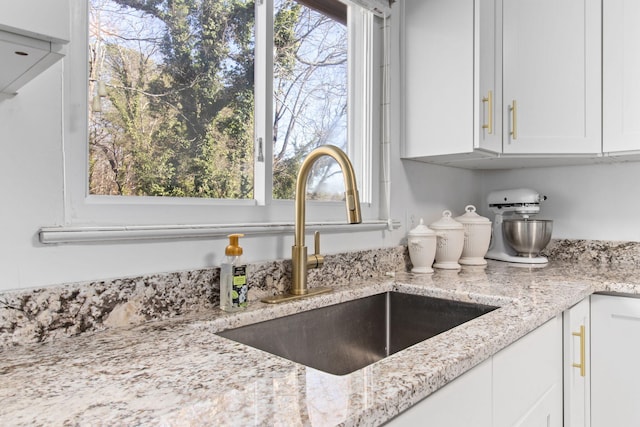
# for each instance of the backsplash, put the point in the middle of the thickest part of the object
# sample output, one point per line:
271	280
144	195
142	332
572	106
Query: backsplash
593	251
45	314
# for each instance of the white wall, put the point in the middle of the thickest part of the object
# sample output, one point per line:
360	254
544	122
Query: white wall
31	168
596	202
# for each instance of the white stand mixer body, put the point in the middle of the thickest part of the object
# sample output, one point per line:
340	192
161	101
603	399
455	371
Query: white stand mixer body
522	201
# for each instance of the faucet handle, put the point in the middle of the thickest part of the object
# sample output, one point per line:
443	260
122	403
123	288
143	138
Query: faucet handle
316	260
316	243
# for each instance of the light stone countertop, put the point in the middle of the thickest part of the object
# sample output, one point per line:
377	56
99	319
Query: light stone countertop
178	372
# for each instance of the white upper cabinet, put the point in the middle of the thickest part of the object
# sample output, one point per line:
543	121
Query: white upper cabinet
551	76
621	75
448	65
501	83
32	38
40	19
487	59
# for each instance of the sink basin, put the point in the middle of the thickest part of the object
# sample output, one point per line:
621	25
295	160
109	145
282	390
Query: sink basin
345	337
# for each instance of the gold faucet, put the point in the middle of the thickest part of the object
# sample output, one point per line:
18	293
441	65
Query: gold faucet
302	262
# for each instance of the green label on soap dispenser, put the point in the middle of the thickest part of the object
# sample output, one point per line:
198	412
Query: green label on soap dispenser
240	288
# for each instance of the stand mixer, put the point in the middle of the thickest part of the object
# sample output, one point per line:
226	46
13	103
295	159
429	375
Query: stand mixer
515	207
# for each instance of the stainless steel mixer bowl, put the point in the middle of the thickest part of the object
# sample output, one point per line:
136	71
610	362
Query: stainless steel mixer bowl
527	236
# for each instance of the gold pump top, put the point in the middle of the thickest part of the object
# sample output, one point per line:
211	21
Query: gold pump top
233	249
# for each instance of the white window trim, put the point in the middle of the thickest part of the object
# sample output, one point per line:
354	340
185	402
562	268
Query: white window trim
165	215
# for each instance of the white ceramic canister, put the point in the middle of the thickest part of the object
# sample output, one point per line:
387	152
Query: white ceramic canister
422	248
477	237
450	241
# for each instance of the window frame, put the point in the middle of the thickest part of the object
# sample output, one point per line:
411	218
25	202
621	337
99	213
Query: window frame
84	209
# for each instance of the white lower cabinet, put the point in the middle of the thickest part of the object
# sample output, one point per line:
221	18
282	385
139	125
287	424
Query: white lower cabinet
519	386
615	353
464	402
527	379
577	366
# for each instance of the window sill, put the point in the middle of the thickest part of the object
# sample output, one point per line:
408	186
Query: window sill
64	234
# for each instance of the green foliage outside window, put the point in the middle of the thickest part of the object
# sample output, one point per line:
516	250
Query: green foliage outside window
177	115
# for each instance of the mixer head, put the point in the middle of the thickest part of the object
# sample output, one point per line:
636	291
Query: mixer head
523	201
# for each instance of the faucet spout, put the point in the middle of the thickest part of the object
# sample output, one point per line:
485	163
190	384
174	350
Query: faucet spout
300	260
352	200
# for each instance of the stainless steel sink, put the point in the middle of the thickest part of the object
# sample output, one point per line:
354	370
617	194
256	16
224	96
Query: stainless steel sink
342	338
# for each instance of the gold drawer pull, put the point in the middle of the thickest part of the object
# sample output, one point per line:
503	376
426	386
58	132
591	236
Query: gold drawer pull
514	120
580	365
489	99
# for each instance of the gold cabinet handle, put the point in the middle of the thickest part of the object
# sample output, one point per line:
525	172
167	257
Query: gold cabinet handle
514	120
489	100
580	365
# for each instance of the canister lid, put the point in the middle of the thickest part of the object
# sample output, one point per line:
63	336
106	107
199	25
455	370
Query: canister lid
446	222
421	230
471	217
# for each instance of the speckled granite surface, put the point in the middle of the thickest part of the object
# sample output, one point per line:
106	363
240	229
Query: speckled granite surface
178	372
174	370
594	251
45	314
53	312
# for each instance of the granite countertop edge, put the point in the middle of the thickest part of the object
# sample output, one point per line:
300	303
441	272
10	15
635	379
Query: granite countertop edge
177	371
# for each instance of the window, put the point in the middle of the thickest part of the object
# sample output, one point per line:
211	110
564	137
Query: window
310	94
171	111
179	119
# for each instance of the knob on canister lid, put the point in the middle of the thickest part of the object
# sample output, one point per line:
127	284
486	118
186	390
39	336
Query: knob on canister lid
421	230
446	222
471	217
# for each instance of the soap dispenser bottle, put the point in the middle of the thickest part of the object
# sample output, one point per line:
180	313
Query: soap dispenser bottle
233	277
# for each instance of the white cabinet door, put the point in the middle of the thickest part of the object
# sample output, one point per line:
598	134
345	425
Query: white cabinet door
470	392
552	76
438	72
449	68
32	33
517	77
577	365
41	19
519	386
615	353
488	54
527	379
621	75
